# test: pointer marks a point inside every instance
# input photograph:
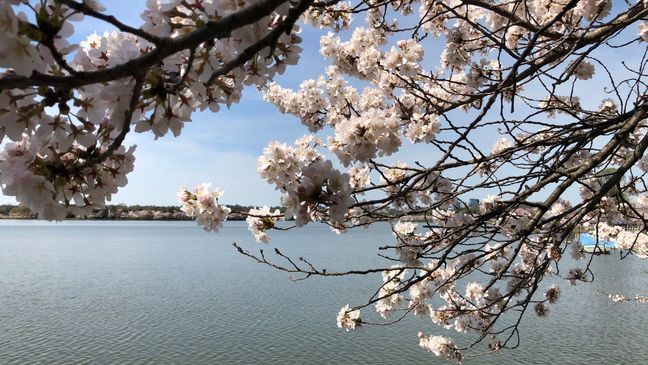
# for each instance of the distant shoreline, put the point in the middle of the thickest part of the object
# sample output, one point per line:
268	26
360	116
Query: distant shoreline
121	213
4	217
156	213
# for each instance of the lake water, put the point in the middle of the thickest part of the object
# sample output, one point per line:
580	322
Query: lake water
88	292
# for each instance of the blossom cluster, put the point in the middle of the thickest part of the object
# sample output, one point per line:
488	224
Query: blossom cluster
348	319
626	240
203	205
66	142
24	162
260	220
440	346
311	186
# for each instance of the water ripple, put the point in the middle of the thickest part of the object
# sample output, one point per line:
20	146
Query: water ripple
166	293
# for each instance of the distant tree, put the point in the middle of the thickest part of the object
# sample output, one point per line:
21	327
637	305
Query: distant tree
5	209
525	101
21	212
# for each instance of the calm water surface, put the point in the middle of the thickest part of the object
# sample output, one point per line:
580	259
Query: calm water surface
168	293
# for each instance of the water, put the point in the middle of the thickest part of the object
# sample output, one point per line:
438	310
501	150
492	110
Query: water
167	293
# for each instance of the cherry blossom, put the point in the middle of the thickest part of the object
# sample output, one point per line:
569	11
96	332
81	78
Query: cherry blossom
261	220
348	319
203	205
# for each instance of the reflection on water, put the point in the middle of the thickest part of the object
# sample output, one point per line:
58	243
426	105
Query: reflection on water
166	292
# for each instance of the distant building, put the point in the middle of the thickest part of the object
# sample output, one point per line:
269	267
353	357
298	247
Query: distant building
473	203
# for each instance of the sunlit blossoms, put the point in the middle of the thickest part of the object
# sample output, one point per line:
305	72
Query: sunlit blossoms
422	128
643	31
348	319
319	187
440	346
73	132
500	146
311	187
16	49
260	221
23	165
635	242
202	204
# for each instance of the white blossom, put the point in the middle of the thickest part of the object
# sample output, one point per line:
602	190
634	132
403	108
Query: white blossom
440	346
348	319
260	220
203	205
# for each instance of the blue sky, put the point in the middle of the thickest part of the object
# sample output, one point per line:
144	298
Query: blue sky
222	147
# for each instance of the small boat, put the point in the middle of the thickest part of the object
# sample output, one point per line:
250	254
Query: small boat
594	246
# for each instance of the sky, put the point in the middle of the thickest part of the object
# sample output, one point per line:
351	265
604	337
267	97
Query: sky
223	147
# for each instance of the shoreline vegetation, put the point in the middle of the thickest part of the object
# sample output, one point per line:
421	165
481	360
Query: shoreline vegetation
154	212
122	212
